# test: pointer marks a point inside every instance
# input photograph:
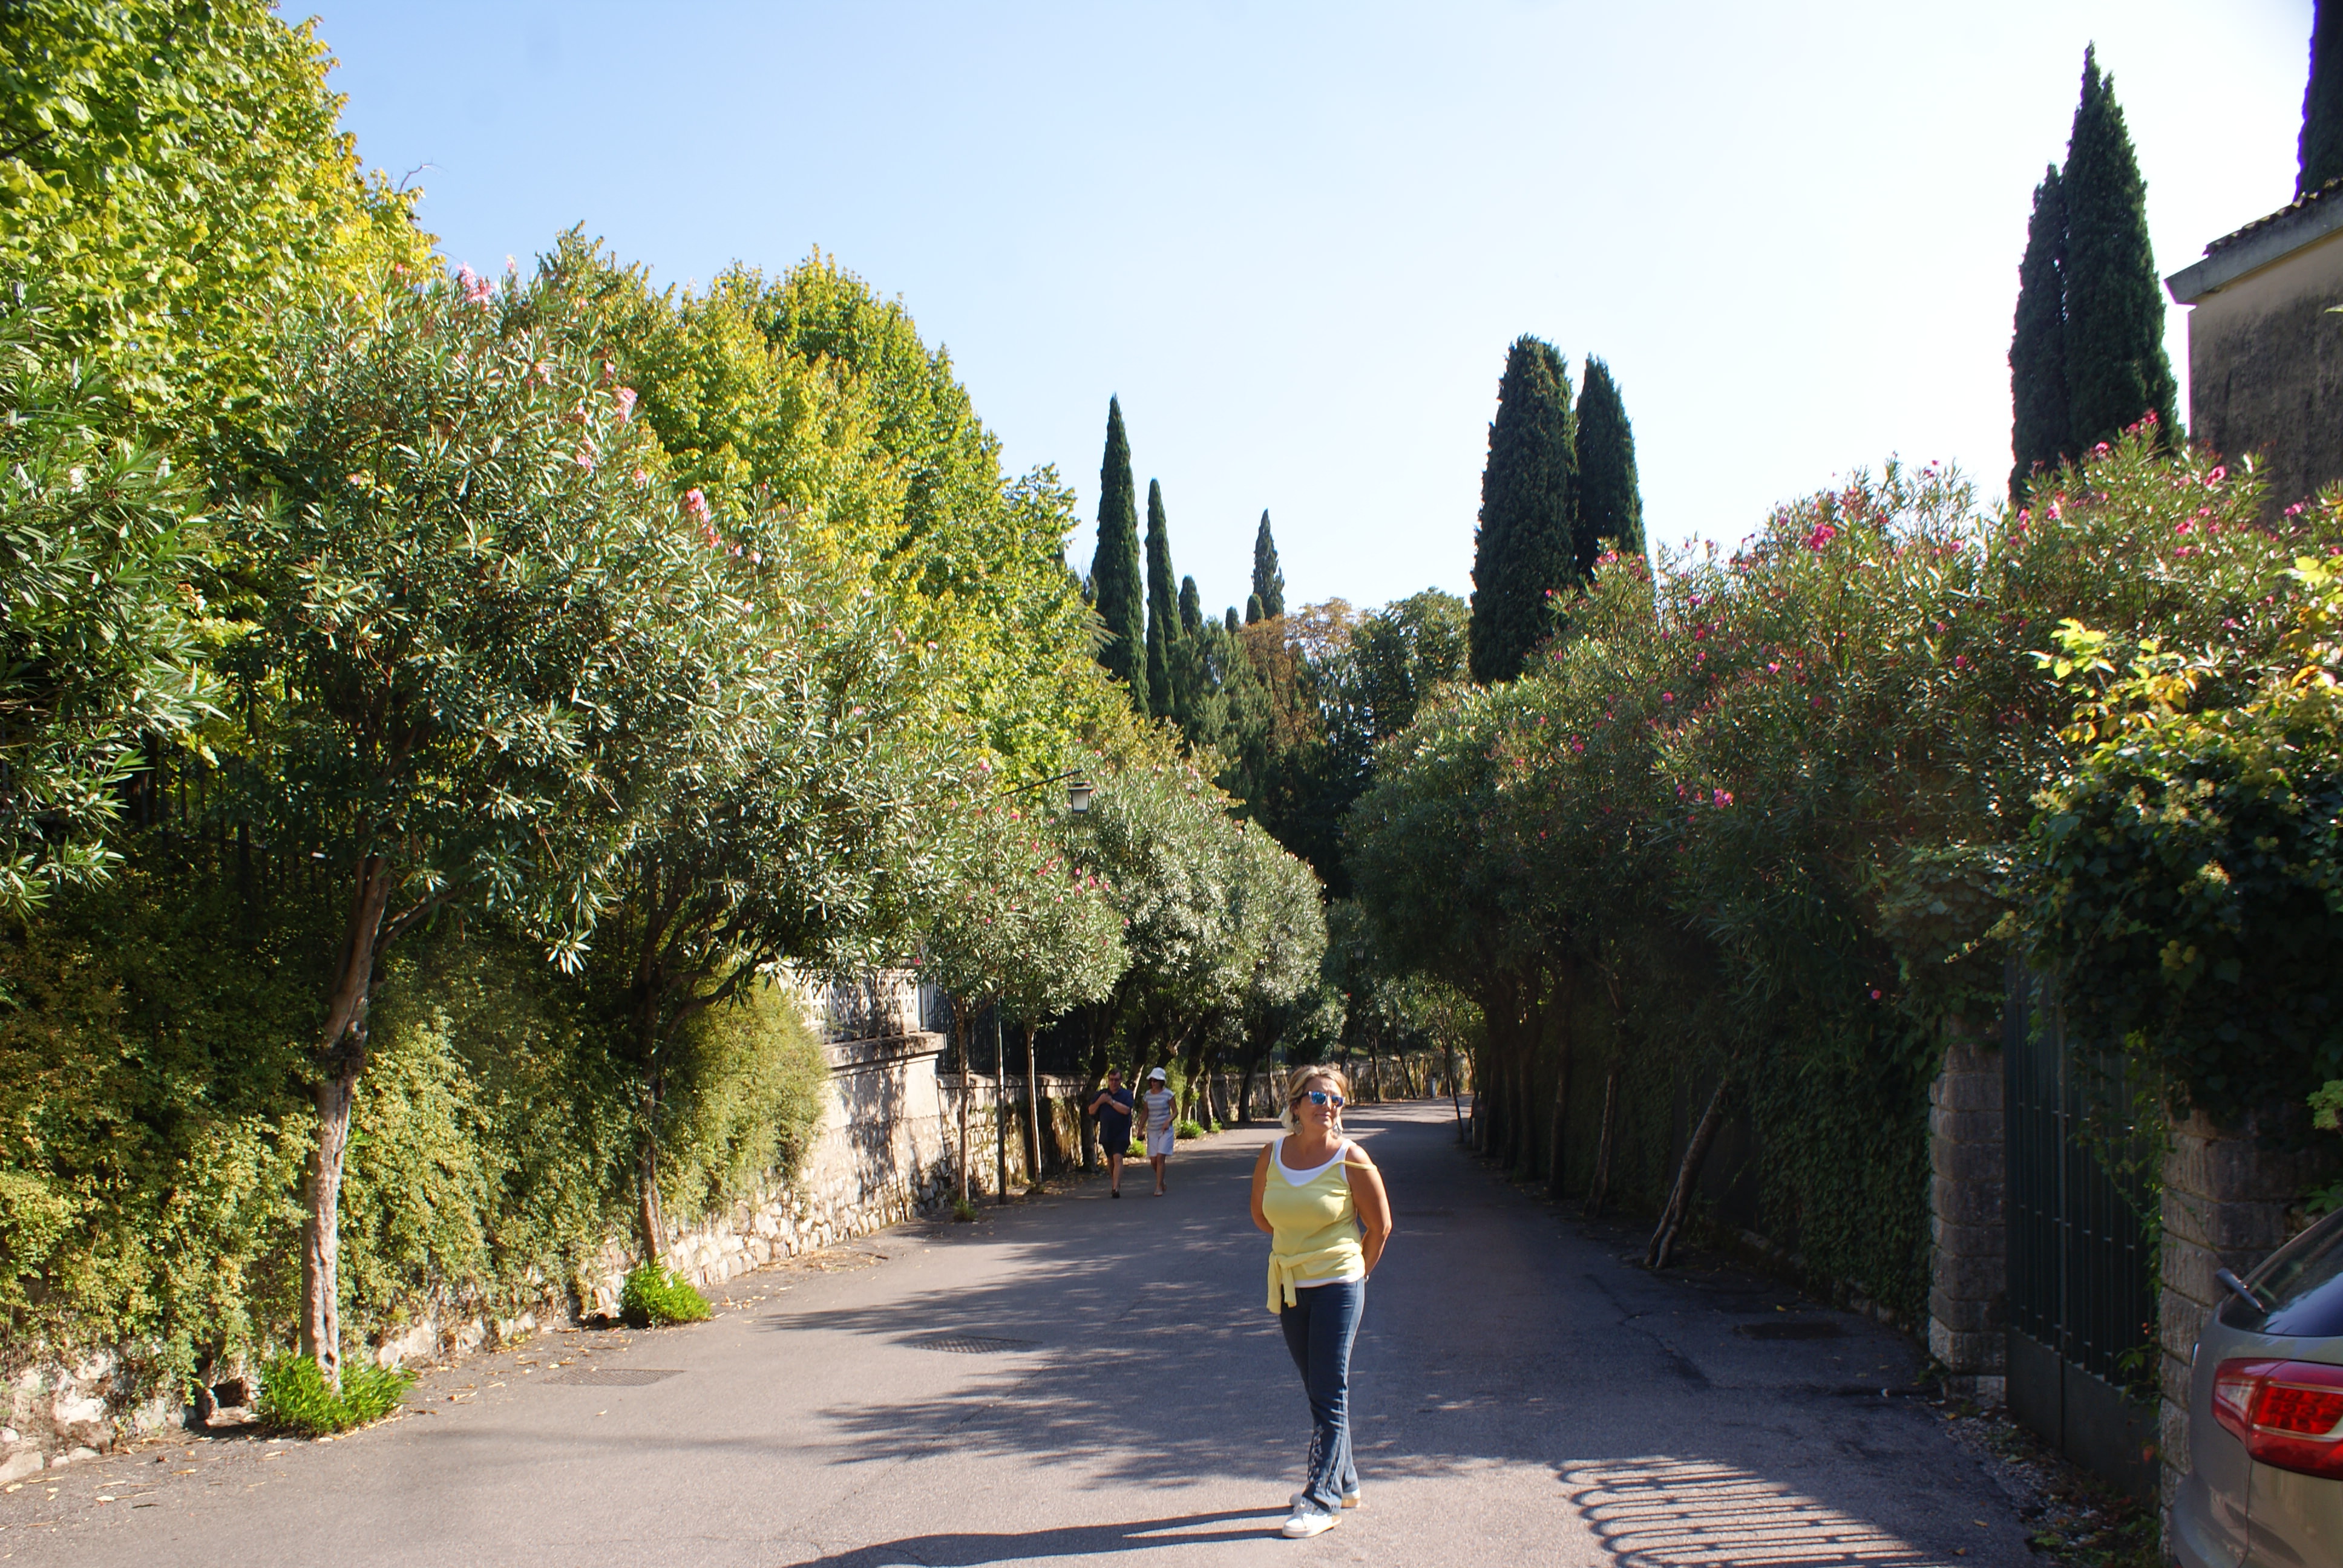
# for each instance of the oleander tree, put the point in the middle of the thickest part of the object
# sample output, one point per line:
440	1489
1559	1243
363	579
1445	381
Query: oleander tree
785	826
1016	921
472	622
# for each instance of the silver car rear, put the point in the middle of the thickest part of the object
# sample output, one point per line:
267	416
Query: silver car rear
2264	1485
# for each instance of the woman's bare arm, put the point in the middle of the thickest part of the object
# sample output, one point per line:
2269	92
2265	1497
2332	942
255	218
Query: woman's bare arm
1367	1195
1260	1186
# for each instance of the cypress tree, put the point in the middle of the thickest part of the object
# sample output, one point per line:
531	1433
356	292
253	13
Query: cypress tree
2321	147
1162	609
1191	608
1114	568
2040	430
2116	372
1522	548
1268	580
1254	612
1230	622
1610	501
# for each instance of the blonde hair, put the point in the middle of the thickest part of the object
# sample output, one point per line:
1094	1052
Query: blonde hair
1297	1083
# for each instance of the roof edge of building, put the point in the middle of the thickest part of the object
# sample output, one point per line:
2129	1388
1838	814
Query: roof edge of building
2260	242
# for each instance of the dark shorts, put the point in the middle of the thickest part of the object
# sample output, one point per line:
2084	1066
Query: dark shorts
1114	1132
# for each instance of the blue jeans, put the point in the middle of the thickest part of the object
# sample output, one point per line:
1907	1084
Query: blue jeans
1318	1329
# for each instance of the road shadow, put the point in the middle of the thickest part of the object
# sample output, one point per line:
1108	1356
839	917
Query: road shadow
1131	1341
967	1549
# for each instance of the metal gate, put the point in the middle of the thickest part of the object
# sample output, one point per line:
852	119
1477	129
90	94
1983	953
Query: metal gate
2082	1284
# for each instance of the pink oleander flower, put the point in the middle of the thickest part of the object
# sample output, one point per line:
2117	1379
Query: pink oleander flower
586	455
1722	798
478	290
695	504
2219	473
1824	533
626	398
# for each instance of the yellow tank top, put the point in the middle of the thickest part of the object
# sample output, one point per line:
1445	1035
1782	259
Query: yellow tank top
1313	1228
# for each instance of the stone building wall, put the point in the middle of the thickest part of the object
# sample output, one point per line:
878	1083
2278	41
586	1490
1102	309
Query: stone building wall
2264	351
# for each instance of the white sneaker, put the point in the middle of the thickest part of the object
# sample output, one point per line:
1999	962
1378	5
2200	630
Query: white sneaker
1349	1499
1308	1520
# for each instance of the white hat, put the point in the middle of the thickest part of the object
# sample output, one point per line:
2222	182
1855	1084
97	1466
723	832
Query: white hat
1157	1073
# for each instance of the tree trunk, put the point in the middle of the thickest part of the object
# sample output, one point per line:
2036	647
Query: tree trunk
961	1028
1455	1097
1033	1113
321	1253
1672	1218
341	1058
649	1218
1556	1170
1000	1111
1600	1187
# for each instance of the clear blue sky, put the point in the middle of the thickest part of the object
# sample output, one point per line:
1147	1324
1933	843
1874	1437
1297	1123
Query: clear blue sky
1296	238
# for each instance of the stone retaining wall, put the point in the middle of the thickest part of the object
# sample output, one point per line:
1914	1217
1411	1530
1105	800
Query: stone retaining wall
882	1153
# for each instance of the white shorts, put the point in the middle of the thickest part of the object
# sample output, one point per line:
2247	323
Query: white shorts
1159	1143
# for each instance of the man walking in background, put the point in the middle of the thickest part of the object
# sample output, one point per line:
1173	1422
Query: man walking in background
1112	1109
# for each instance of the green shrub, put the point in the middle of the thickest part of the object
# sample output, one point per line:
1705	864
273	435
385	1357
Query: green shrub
1186	1129
1138	1149
296	1396
963	1212
655	1295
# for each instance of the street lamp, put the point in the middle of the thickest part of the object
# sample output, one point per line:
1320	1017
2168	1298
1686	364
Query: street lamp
1079	791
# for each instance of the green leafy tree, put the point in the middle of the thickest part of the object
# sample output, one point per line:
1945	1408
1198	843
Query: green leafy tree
782	824
469	612
811	394
99	545
1610	498
1114	568
1523	549
2041	427
1162	606
1017	922
1191	608
2117	371
2321	145
173	175
1267	600
2189	863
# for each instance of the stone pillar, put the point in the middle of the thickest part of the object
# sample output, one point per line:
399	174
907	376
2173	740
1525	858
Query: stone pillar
2227	1194
1969	1260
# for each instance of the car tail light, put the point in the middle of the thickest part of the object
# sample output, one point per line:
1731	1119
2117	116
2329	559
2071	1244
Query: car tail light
2289	1415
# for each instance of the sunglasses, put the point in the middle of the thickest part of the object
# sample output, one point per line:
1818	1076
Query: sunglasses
1322	1097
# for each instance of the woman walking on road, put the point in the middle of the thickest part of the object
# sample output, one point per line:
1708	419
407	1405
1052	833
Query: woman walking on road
1322	1202
1161	1124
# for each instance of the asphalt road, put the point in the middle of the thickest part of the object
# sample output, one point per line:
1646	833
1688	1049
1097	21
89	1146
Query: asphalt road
1081	1379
